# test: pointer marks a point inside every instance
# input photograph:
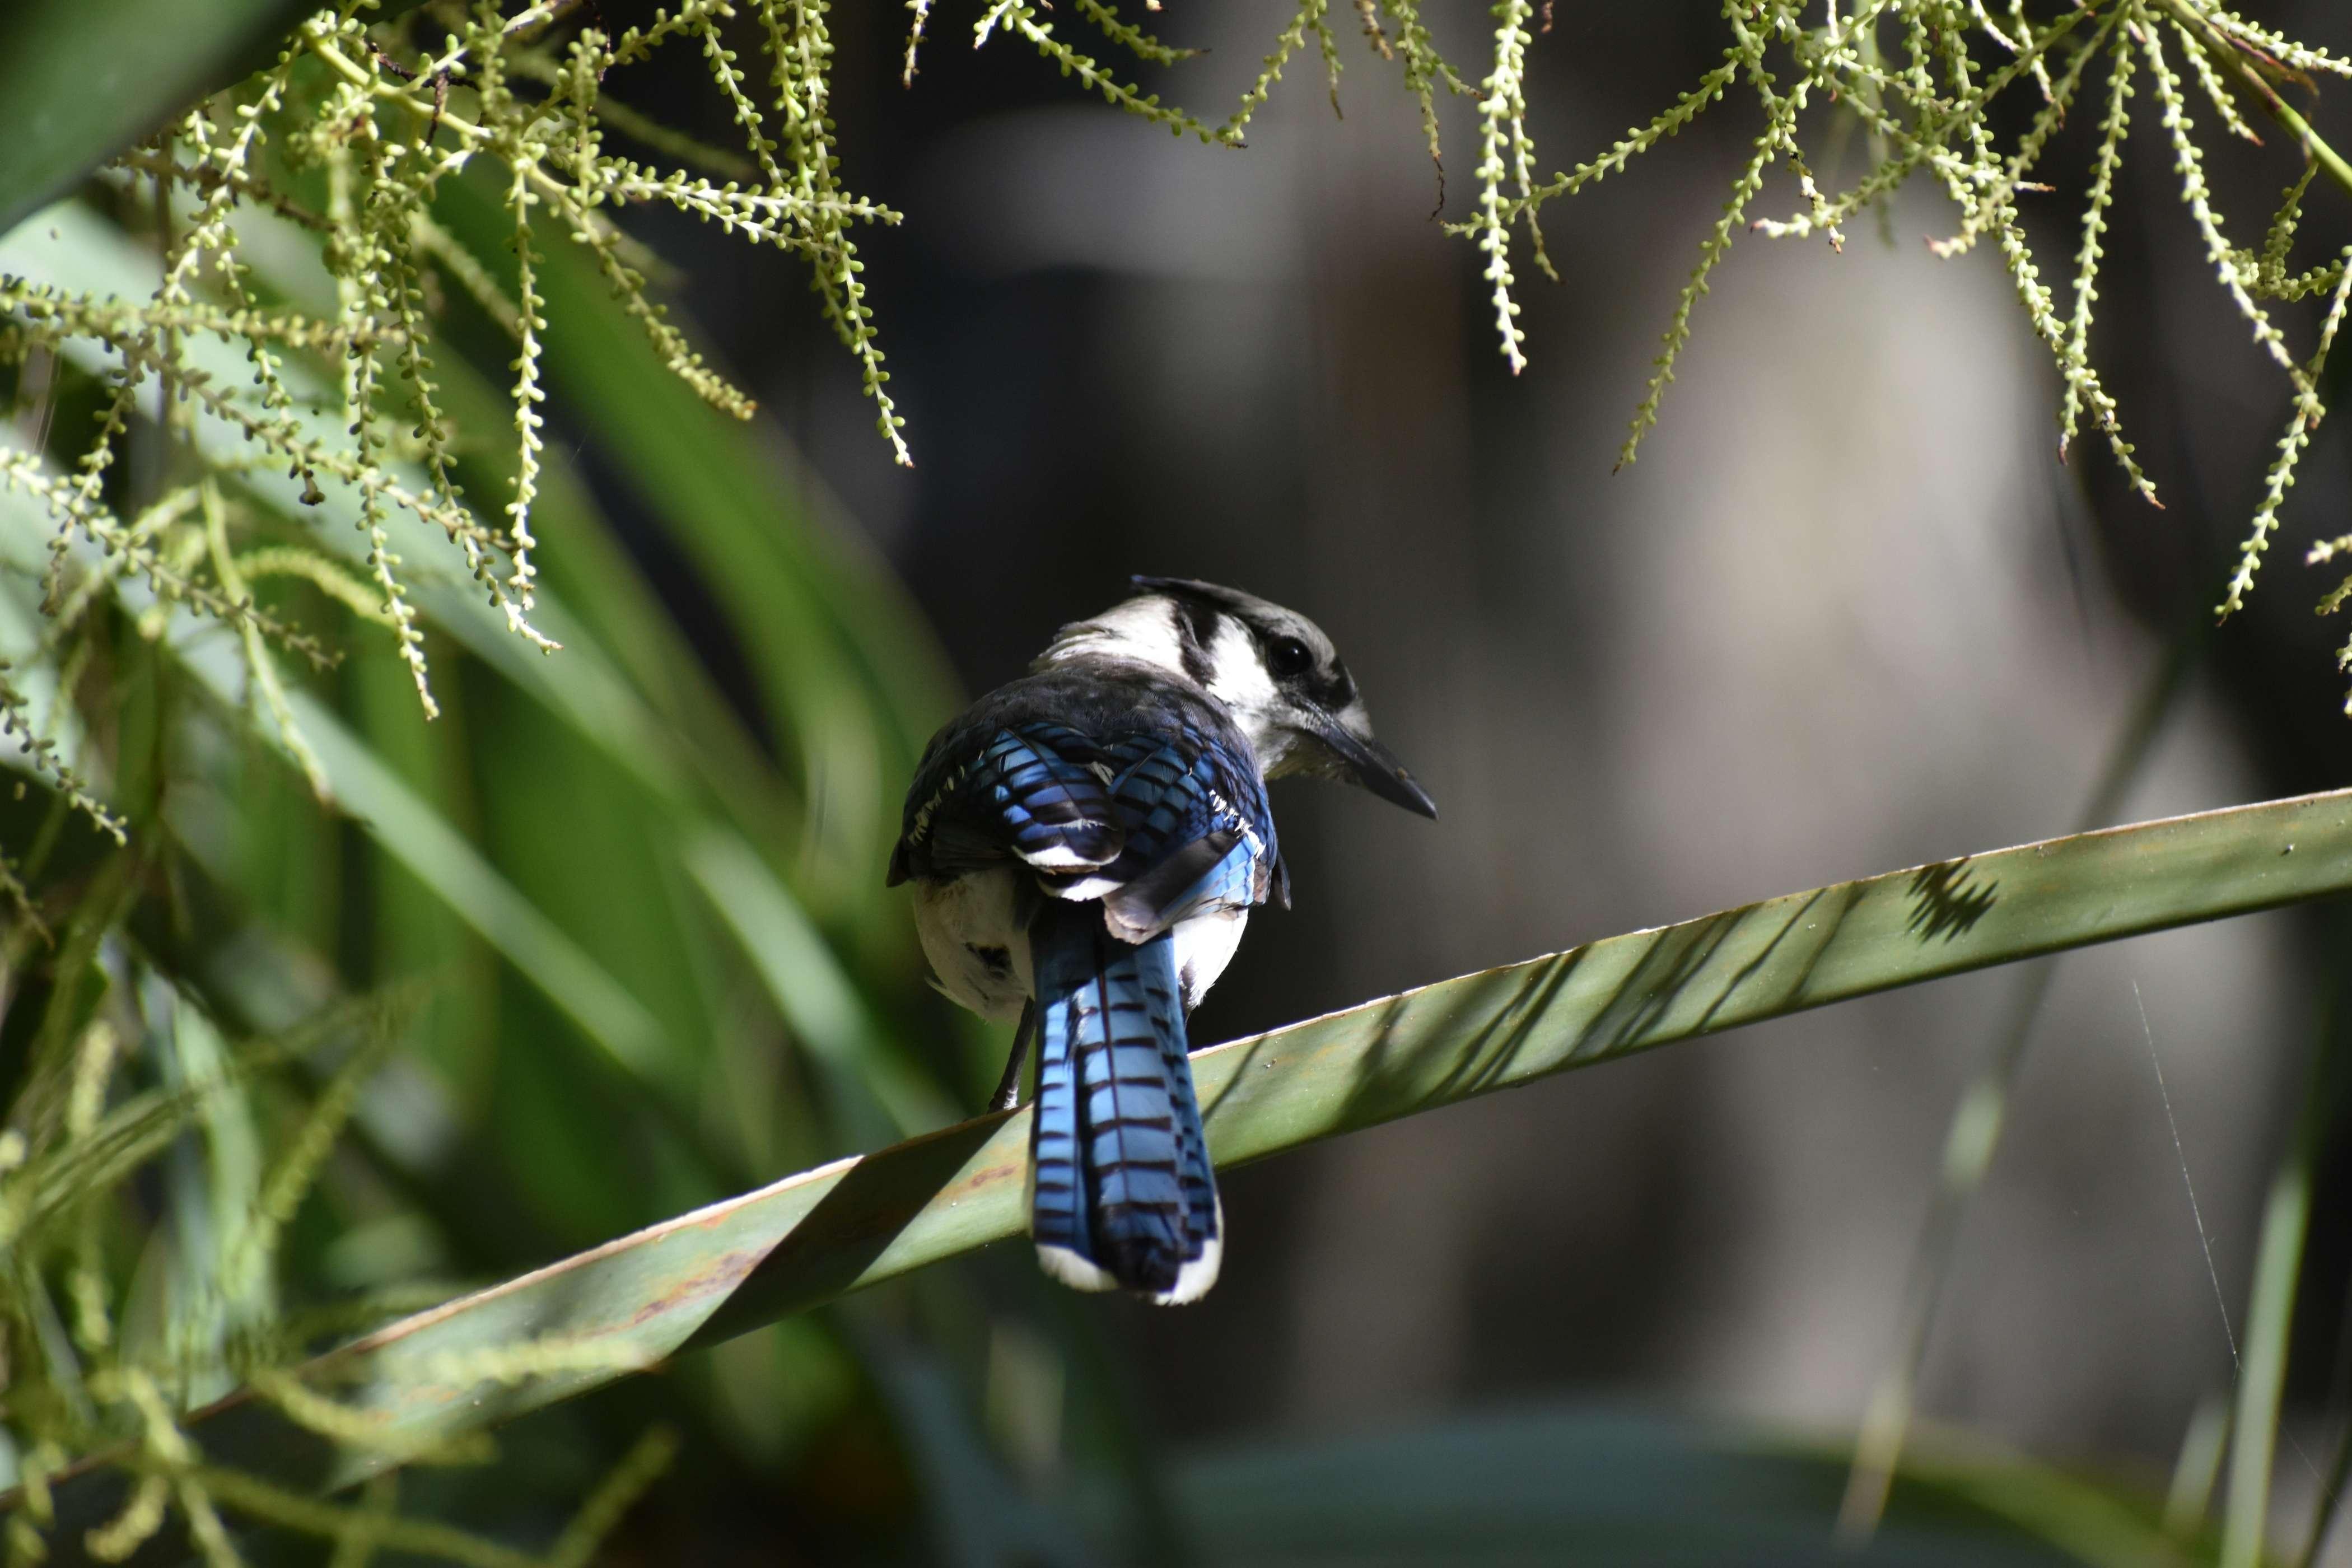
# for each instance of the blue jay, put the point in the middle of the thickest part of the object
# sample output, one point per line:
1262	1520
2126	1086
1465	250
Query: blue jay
1086	845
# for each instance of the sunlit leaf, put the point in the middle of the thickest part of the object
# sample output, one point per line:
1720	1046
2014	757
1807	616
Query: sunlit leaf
721	1270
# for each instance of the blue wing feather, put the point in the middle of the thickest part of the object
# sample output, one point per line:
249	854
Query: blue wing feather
1025	792
1069	773
1193	840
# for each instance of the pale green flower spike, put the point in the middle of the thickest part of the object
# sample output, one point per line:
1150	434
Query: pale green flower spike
348	397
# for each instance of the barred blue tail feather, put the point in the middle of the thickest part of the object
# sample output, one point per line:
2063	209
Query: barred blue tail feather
1121	1193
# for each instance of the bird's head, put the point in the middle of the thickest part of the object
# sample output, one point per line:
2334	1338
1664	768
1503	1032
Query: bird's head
1271	669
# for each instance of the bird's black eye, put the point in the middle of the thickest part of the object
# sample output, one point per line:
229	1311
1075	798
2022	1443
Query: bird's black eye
1287	657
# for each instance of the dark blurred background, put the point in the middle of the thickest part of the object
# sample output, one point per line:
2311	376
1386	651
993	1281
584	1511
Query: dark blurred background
1847	612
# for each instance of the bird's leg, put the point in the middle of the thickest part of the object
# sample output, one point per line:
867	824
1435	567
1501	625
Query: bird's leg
1008	1089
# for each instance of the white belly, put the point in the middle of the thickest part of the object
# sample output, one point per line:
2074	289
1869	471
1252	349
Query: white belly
1204	945
972	932
979	948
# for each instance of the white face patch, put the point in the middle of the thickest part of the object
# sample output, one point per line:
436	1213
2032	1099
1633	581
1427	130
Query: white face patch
1145	630
1238	678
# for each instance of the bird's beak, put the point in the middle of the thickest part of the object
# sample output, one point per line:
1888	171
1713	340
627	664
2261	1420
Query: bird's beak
1373	766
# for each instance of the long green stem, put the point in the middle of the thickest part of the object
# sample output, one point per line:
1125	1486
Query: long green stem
1976	1128
2278	1263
